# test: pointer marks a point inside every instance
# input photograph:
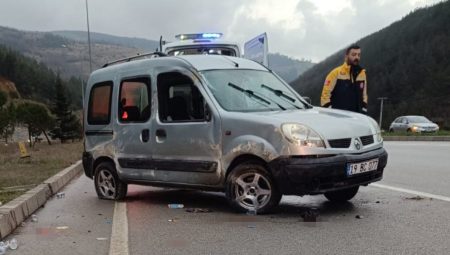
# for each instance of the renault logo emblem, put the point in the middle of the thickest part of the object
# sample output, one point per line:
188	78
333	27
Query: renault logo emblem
357	144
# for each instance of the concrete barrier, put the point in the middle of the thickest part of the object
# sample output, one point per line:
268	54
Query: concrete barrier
13	213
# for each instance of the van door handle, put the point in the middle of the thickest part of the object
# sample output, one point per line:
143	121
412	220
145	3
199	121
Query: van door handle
161	133
145	135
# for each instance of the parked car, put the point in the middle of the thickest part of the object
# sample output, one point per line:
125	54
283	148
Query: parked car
415	124
221	123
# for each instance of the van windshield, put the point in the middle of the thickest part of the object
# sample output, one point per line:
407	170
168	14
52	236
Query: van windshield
251	91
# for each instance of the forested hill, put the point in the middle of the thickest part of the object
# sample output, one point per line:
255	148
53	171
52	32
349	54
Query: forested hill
35	80
408	62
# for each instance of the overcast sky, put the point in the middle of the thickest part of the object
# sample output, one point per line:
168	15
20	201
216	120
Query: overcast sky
310	29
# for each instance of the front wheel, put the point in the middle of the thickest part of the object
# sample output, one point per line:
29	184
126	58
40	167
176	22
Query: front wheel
250	187
342	195
107	182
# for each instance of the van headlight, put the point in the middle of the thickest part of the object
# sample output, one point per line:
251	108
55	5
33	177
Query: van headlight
376	128
302	135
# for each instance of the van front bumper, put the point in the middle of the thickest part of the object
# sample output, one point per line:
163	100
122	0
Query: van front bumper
308	175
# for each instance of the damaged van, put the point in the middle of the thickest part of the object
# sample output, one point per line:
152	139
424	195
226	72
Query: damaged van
221	123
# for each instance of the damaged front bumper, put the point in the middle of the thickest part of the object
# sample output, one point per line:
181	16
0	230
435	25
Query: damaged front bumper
305	175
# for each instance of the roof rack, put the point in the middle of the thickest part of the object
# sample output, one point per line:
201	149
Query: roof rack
156	53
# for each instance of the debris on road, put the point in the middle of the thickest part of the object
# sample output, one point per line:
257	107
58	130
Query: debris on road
415	198
377	202
198	210
34	218
108	221
101	238
359	217
310	215
60	195
173	220
175	206
3	248
13	244
62	227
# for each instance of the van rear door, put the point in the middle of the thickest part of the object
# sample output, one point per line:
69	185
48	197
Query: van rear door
257	49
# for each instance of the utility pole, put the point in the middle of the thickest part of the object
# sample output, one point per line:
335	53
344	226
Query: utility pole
381	109
89	37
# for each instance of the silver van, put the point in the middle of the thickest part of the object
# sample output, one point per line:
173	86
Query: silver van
221	123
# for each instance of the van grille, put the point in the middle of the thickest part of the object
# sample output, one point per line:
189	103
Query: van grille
366	140
340	143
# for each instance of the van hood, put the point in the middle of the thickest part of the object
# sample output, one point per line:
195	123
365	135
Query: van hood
329	123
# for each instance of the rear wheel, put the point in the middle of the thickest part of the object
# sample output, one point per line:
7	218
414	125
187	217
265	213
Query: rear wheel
107	182
250	187
342	195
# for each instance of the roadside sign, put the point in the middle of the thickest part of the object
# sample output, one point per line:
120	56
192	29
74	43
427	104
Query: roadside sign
23	150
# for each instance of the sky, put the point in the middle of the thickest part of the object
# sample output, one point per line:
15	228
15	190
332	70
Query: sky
302	29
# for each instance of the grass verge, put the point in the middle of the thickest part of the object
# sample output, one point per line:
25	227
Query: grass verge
44	161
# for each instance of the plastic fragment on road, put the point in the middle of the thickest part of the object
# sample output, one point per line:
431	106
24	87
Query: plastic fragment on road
3	248
175	206
101	238
34	218
60	195
359	217
62	227
13	244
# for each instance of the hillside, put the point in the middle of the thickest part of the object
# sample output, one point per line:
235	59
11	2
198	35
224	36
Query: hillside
287	67
24	77
63	55
408	62
129	42
67	51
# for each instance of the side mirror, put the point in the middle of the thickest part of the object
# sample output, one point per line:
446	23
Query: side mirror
208	115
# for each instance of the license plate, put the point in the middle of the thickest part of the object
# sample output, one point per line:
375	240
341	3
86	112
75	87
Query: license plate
362	167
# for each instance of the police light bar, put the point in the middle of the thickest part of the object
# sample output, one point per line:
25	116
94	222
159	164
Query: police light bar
198	36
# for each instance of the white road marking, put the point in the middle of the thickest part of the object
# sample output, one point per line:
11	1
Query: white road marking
413	192
119	235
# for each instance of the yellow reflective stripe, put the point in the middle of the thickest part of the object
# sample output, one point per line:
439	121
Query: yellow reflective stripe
328	86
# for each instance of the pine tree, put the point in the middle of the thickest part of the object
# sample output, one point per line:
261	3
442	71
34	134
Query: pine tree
67	124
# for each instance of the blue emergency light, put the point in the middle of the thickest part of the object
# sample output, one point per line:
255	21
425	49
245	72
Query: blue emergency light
198	36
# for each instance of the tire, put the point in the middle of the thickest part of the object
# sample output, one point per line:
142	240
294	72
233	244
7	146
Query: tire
107	183
342	195
244	194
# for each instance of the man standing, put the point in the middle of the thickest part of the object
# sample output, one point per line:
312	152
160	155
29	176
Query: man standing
346	86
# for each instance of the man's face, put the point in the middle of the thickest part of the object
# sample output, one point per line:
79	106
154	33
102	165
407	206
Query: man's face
353	57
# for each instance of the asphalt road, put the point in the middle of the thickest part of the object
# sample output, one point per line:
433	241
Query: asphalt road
389	222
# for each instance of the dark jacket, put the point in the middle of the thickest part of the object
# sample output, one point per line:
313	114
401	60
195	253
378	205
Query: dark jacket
345	91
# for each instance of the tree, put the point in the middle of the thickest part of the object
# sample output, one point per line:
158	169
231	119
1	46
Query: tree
68	125
36	117
7	117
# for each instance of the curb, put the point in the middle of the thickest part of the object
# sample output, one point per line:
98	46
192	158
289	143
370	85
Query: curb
418	138
13	213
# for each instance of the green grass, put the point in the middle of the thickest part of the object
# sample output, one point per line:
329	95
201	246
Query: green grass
45	161
439	133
